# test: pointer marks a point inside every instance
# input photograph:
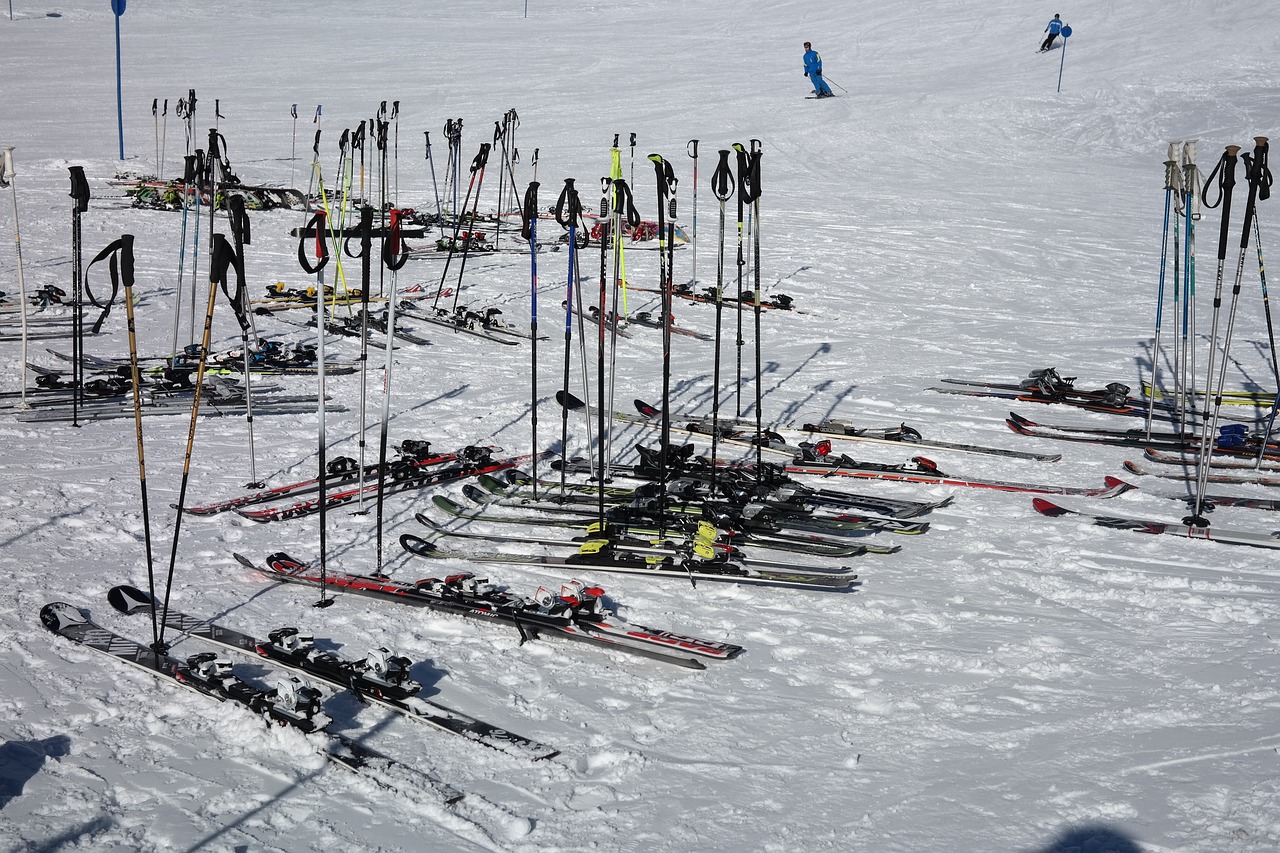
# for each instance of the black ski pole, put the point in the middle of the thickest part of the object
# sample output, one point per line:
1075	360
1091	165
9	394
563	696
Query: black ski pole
743	170
722	188
692	150
80	204
393	258
481	160
529	231
1225	171
753	183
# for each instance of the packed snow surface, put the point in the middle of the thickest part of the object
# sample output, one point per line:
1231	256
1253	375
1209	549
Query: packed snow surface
1005	682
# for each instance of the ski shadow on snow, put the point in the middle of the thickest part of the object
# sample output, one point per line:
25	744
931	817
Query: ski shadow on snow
1091	839
22	760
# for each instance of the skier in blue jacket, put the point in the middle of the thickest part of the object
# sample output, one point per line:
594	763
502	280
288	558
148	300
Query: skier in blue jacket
1055	27
813	70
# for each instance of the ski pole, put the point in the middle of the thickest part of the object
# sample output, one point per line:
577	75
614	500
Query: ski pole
722	188
834	83
7	175
1170	184
692	150
1225	171
753	183
393	258
743	168
435	188
530	232
293	148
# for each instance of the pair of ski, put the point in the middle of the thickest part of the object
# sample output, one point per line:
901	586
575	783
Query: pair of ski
485	324
474	461
1212	500
693	559
919	470
771	442
341	470
790	496
750	514
578	616
728	538
288	649
1187	528
1233	439
69	622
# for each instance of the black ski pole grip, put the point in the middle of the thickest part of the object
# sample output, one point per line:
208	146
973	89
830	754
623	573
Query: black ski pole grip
530	210
563	210
661	174
481	158
79	188
722	177
692	148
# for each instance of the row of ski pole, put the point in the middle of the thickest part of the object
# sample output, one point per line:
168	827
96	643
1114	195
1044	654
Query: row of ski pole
1186	191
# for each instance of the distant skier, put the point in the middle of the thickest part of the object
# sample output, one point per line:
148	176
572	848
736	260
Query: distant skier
1055	27
813	70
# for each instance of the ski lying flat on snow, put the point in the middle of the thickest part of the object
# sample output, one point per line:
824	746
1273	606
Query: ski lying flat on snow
312	485
753	516
67	621
465	595
1139	438
921	470
461	323
1241	479
346	496
343	674
595	555
733	558
800	543
840	429
1173	528
790	497
1165	458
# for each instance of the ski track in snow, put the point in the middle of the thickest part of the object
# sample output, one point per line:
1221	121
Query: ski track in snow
1005	682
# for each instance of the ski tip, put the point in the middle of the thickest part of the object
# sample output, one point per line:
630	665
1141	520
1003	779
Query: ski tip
1117	486
417	545
1132	467
244	561
1049	508
57	616
129	599
564	398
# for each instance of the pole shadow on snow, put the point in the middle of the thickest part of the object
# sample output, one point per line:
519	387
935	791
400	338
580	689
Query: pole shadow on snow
21	760
211	841
1093	839
72	838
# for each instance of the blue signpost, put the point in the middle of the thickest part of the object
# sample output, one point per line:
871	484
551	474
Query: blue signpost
117	6
1066	34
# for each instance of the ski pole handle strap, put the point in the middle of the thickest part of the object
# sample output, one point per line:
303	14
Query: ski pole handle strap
314	228
393	256
568	206
121	254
